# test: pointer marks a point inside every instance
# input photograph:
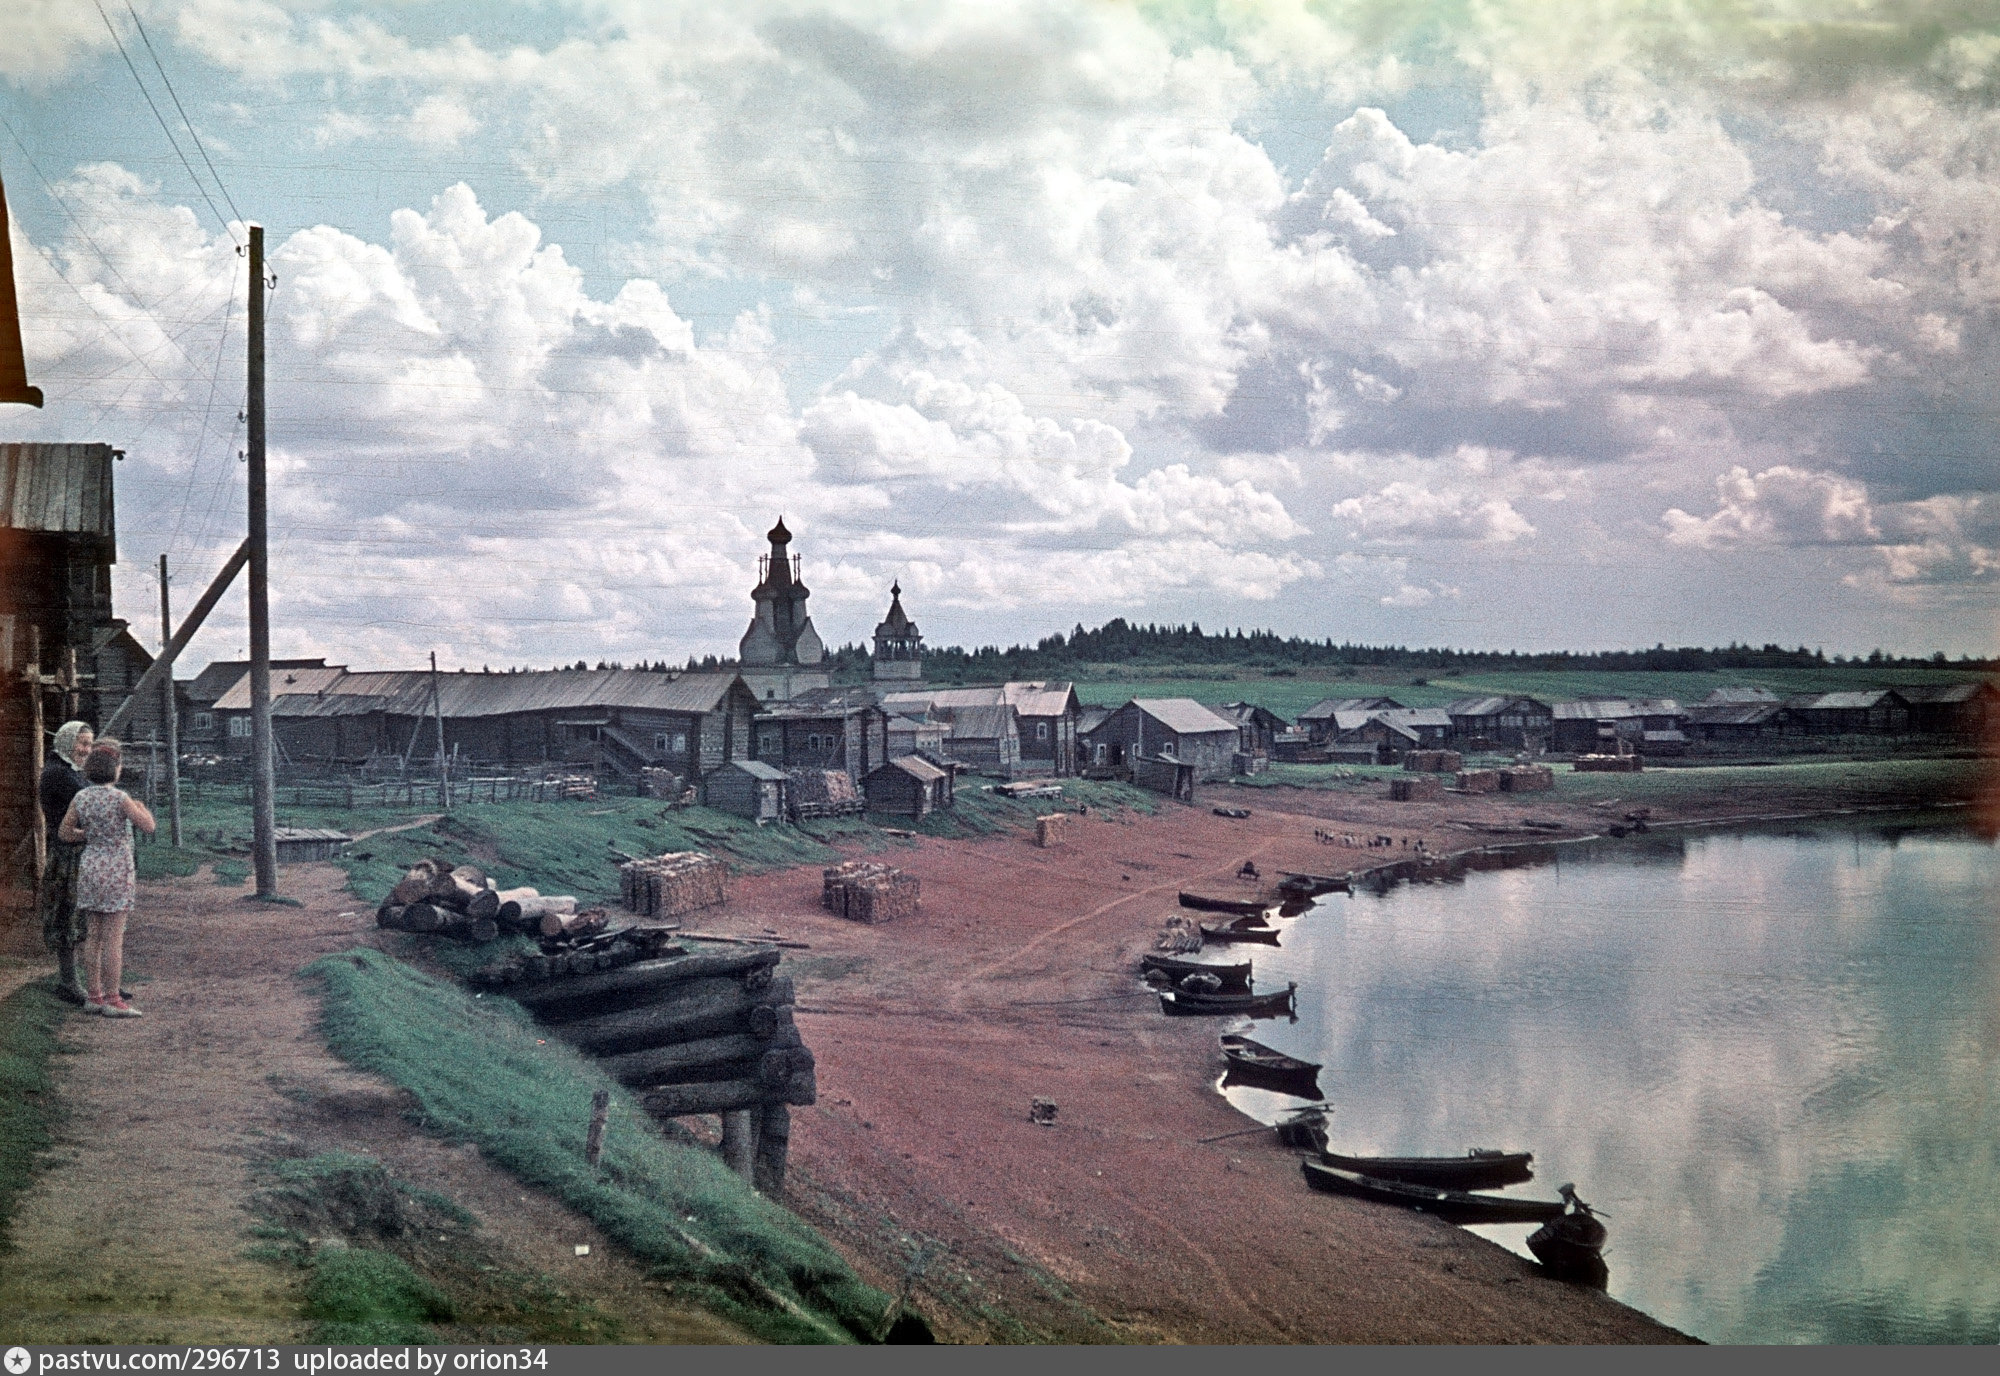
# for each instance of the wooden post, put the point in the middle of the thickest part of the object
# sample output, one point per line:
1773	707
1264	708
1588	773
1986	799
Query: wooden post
739	1141
437	715
263	776
600	1112
163	666
774	1138
35	690
173	716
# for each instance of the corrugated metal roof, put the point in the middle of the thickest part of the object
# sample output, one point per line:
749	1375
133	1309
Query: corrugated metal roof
62	488
1490	705
283	681
1183	716
1740	692
1326	708
982	723
1732	713
918	769
1846	702
1416	716
408	692
757	769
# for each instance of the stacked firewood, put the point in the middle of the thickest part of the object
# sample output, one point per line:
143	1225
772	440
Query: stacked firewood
664	785
669	885
569	786
1415	788
866	891
1533	778
436	897
1432	761
1479	780
691	1034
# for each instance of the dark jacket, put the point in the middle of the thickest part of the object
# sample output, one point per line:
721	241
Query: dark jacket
60	783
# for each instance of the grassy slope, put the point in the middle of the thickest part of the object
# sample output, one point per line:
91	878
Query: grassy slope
1288	696
480	1074
30	1019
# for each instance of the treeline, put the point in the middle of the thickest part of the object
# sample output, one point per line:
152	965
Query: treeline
1119	642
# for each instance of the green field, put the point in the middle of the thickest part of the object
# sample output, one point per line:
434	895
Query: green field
1288	695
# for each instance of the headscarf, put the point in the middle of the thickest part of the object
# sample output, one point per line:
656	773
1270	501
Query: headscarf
66	741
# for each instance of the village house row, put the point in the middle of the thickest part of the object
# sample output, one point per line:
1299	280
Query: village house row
750	738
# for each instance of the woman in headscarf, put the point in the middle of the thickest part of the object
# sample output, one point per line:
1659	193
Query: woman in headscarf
62	923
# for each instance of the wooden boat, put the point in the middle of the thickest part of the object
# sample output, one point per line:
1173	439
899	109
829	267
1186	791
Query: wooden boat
1233	974
1267	936
1248	907
1453	1206
1571	1246
1258	1066
1478	1169
1185	1003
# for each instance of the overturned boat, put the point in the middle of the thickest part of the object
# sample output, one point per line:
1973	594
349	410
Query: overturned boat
1453	1206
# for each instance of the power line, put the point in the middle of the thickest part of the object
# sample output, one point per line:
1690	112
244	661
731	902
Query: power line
140	25
164	127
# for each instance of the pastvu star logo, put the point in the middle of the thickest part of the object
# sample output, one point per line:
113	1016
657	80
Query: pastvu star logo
18	1361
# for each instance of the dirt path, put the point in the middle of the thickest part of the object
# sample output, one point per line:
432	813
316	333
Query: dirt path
137	1230
1016	981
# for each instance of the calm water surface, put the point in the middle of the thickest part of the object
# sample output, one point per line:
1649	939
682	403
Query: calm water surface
1773	1059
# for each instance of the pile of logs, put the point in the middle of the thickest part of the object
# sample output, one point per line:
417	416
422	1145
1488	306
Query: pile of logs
578	953
438	898
866	891
1432	761
691	1034
1531	778
1607	764
1479	780
1416	788
669	885
665	785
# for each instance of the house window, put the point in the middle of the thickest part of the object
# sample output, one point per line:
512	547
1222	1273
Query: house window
204	721
239	727
1099	757
1041	730
767	744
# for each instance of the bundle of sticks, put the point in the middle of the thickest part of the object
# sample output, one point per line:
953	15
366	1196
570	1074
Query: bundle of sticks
439	898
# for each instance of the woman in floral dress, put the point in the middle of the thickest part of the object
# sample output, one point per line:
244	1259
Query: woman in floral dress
102	817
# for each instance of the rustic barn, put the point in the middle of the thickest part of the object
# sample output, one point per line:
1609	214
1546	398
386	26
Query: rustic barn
1599	724
1739	694
748	788
824	729
912	735
1875	712
986	739
1256	727
1959	710
1164	773
1317	721
1178	727
1046	726
1500	722
908	787
1733	721
232	710
202	731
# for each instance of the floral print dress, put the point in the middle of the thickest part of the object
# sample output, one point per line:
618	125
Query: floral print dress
105	878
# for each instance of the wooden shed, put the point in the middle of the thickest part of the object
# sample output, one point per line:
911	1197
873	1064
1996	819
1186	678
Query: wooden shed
908	787
748	788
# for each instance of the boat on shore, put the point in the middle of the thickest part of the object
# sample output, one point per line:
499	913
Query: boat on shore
1233	974
1246	907
1254	1064
1453	1206
1267	936
1183	1003
1478	1169
1571	1246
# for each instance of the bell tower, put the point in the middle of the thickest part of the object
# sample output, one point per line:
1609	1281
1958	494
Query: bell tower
899	645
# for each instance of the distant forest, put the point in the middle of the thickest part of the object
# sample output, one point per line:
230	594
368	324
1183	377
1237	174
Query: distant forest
1122	643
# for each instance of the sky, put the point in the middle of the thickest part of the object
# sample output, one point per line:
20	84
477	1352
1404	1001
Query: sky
1487	324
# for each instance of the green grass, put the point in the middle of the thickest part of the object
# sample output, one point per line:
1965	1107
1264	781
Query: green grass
480	1074
976	812
30	1019
359	1295
1836	784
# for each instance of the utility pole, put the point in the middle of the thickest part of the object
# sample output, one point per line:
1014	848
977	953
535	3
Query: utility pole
173	716
263	778
437	715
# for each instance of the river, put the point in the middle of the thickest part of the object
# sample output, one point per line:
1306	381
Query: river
1771	1057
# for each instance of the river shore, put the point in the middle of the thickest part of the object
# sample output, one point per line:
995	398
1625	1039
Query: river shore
1124	1221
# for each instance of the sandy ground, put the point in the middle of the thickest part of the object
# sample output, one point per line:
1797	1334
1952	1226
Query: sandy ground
137	1231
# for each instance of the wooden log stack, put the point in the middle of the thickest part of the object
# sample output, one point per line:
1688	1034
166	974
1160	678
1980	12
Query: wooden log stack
1416	788
1051	828
437	898
1432	761
1530	778
868	891
1479	780
711	1032
1606	764
672	885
